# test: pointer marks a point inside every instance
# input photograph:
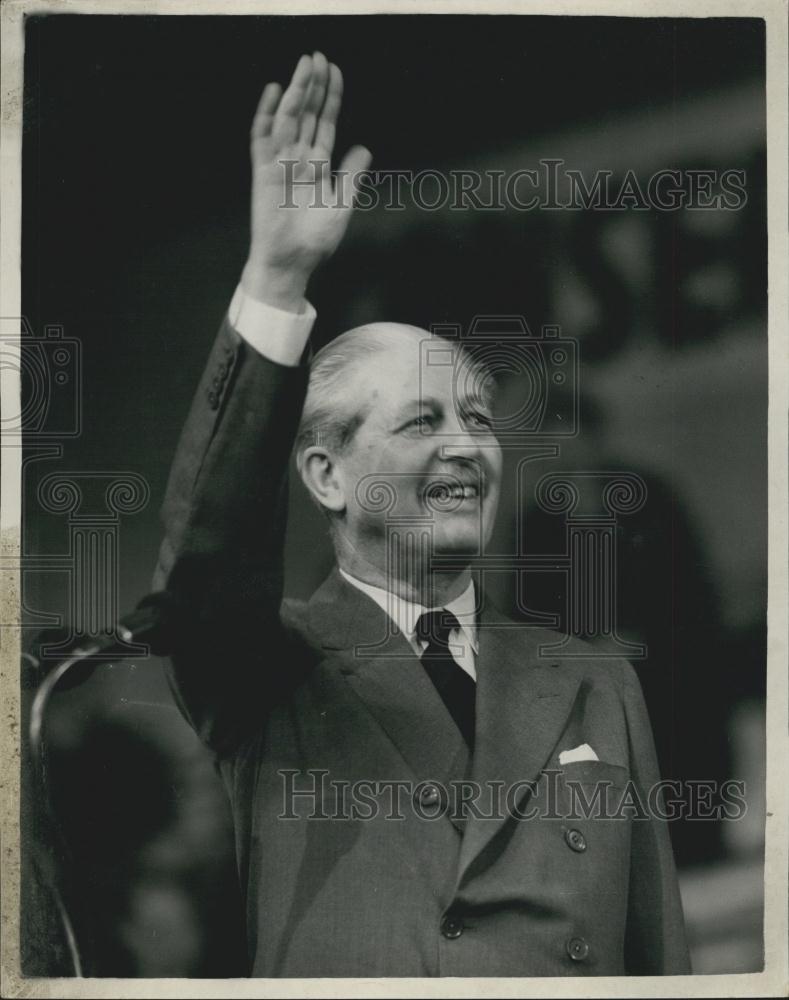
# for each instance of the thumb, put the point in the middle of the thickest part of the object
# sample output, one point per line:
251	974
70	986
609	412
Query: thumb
354	164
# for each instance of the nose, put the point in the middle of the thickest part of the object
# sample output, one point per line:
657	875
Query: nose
459	442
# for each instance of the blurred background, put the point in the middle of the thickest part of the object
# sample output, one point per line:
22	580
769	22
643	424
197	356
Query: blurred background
135	185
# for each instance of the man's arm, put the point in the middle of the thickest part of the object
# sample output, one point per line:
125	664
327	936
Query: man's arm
655	942
224	512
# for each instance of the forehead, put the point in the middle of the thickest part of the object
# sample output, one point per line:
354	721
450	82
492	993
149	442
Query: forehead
414	365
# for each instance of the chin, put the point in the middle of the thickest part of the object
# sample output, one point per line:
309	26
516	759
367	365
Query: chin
466	542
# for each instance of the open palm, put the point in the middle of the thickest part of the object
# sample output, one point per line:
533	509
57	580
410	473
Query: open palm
299	210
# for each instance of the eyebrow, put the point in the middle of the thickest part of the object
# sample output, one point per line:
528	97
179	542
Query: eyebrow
475	400
467	402
419	401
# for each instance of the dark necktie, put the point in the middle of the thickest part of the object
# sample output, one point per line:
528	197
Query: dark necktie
457	689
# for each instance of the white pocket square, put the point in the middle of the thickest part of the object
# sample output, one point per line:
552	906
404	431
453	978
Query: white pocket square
574	756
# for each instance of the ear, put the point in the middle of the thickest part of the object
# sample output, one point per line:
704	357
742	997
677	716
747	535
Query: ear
321	476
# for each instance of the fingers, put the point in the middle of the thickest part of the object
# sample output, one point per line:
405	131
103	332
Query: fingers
288	116
263	121
326	129
354	163
307	112
315	99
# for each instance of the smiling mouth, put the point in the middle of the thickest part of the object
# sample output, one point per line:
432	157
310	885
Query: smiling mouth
447	492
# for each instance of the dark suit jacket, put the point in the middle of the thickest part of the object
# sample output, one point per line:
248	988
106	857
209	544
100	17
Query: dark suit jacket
277	689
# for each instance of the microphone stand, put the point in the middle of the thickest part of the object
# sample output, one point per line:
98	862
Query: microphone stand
147	622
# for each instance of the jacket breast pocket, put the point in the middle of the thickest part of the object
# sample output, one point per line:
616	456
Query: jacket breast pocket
593	771
594	790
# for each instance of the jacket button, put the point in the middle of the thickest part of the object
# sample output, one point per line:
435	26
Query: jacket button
577	949
213	400
451	926
229	352
222	371
429	795
575	840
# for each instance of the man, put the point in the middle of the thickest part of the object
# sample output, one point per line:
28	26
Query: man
369	737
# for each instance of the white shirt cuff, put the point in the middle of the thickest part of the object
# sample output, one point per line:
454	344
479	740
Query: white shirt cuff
279	335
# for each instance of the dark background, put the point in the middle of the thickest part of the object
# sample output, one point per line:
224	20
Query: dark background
135	192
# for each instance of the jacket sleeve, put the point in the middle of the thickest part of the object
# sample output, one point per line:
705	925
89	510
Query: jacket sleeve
655	942
222	554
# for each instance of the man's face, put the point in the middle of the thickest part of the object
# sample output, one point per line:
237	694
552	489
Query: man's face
425	456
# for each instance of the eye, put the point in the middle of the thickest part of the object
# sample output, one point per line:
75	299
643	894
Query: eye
480	419
424	420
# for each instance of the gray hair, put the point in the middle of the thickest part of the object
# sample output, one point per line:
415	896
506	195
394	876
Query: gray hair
332	414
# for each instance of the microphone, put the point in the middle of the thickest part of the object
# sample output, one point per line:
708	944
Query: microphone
152	622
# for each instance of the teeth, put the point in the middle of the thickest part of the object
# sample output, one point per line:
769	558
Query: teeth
442	492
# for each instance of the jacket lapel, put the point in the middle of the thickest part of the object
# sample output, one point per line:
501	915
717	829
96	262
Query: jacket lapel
523	700
381	668
523	704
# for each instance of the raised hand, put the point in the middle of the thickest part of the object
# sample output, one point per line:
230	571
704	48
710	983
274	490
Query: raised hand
299	212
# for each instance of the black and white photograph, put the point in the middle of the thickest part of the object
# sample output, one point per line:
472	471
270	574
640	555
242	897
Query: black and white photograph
394	498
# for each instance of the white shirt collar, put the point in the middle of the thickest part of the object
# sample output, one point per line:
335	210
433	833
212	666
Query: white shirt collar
406	614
